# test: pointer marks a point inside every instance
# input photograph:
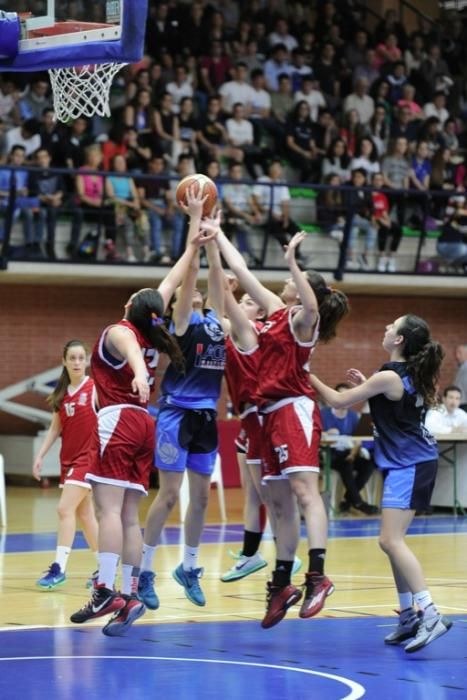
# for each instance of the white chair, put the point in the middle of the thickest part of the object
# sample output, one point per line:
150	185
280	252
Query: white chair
216	478
2	493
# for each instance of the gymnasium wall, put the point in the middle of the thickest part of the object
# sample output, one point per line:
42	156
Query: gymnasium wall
37	320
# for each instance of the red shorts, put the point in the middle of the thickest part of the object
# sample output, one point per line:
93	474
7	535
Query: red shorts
252	423
74	475
125	437
292	433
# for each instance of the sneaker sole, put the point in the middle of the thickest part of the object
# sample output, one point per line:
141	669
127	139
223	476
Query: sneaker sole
283	611
192	600
237	575
119	629
305	614
94	616
50	587
402	638
150	606
447	627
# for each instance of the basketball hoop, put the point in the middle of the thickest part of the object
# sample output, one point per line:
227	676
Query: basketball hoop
82	90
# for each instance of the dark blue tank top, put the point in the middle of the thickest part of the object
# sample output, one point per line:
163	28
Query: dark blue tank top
401	438
203	347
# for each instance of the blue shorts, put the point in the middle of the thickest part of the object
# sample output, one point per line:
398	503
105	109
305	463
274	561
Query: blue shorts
186	439
409	488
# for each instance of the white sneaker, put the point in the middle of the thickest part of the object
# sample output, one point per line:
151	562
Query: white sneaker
352	265
364	264
337	235
131	259
392	265
429	630
382	262
244	566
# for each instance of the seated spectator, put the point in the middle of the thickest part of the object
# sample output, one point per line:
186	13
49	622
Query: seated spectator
434	72
51	134
36	98
388	51
48	187
237	91
404	124
215	69
380	92
91	205
452	243
366	157
301	144
442	180
166	128
260	114
437	108
239	213
273	208
449	135
386	228
359	204
367	69
331	207
212	135
282	103
351	131
395	169
240	136
281	35
336	161
414	55
355	51
312	95
348	456
407	100
16	159
396	78
460	380
300	69
326	72
179	88
361	101
137	154
25	135
115	145
139	114
9	97
156	200
76	138
326	130
448	417
123	195
277	65
419	178
187	127
378	130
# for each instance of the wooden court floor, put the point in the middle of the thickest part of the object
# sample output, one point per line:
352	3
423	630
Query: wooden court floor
364	594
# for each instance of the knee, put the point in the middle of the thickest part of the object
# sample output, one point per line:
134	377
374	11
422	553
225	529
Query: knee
64	512
385	542
200	503
169	499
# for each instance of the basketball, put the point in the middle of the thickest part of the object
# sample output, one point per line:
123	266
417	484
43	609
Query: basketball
199	182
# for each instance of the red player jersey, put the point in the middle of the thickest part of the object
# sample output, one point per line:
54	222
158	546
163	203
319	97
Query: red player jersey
241	373
113	378
283	367
78	420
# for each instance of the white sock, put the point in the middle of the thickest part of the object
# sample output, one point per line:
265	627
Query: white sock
148	557
425	603
61	557
108	562
130	576
190	557
405	601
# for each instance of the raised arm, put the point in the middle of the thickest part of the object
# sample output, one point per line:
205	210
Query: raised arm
241	329
267	300
179	271
305	320
216	280
387	382
122	343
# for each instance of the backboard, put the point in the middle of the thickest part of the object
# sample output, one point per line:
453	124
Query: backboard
52	33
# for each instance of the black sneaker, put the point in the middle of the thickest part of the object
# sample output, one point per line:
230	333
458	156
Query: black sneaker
367	508
344	506
103	602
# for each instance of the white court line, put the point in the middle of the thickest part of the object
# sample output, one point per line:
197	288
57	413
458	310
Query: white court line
356	690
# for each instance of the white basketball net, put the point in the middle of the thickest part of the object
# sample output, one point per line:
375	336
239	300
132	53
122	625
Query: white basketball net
82	90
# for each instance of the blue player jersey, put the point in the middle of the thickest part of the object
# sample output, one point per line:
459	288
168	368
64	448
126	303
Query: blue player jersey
401	439
203	347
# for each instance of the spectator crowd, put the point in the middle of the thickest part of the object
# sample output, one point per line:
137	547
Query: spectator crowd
258	92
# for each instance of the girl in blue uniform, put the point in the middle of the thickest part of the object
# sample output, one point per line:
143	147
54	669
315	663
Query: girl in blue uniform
399	395
186	433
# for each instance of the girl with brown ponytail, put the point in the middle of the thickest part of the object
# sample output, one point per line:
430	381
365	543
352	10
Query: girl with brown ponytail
306	310
399	395
123	363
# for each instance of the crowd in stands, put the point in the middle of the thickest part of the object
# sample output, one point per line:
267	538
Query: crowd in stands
228	88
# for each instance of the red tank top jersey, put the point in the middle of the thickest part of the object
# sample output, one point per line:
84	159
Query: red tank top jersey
112	377
78	421
241	373
283	366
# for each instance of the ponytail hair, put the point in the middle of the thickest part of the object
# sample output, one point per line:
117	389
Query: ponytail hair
423	356
146	312
56	397
333	305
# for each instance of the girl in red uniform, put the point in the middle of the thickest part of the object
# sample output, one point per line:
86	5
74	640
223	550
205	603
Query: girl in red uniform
306	309
74	419
123	363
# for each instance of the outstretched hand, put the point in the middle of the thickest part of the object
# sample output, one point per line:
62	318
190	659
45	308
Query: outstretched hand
355	377
194	202
291	249
211	224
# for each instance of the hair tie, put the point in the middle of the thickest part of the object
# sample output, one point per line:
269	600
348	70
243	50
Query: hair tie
155	320
328	290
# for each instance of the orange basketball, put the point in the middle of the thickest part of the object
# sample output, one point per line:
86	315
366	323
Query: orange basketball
199	182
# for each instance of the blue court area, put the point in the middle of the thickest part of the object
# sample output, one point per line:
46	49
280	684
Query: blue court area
227	533
317	659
